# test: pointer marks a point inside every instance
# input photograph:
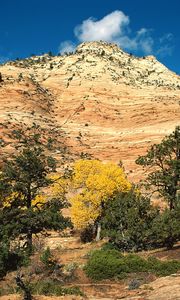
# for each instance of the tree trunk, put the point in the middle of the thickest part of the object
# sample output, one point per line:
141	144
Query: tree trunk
21	285
29	241
171	205
98	233
29	232
170	243
170	240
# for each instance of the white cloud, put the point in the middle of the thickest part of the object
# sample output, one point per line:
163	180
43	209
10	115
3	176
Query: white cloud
141	41
166	38
147	45
166	45
114	28
106	29
67	46
142	32
126	42
165	50
144	40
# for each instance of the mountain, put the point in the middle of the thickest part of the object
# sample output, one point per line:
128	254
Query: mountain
99	101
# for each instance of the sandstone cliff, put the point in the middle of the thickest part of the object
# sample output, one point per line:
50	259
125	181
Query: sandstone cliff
100	100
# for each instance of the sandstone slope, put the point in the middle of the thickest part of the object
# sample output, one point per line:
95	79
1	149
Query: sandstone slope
107	103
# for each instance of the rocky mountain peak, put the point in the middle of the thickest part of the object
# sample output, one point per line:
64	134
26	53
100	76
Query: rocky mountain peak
98	48
122	66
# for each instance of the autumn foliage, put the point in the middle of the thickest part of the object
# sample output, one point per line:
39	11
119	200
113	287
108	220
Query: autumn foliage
94	183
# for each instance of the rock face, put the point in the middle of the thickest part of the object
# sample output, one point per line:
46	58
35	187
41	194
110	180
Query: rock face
107	103
167	288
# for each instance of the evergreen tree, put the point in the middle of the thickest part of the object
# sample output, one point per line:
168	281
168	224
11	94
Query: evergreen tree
24	211
166	227
163	164
128	221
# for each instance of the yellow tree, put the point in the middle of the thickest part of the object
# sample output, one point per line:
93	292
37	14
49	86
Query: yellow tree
95	183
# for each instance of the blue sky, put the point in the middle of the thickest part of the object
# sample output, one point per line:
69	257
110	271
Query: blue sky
138	26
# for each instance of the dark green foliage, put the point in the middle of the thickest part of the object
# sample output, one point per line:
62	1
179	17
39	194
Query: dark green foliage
88	234
163	268
16	222
109	246
4	254
22	178
104	264
46	256
50	53
47	259
128	221
11	259
164	162
166	227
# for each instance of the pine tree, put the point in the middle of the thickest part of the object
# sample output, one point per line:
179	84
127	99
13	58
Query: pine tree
24	210
128	221
163	164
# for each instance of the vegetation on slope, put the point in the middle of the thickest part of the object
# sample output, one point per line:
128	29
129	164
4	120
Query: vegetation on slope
104	202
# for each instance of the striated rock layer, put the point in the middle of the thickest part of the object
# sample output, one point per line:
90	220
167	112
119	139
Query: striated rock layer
107	103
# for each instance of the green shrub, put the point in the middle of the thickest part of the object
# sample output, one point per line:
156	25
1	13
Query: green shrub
136	263
50	287
45	287
87	234
104	264
168	267
4	253
47	259
107	264
11	260
128	222
163	268
166	227
110	246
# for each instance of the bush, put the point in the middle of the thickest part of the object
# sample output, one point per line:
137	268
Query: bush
47	260
50	287
11	260
108	264
134	284
110	246
4	253
104	264
69	270
45	287
167	227
136	263
163	268
87	235
128	222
